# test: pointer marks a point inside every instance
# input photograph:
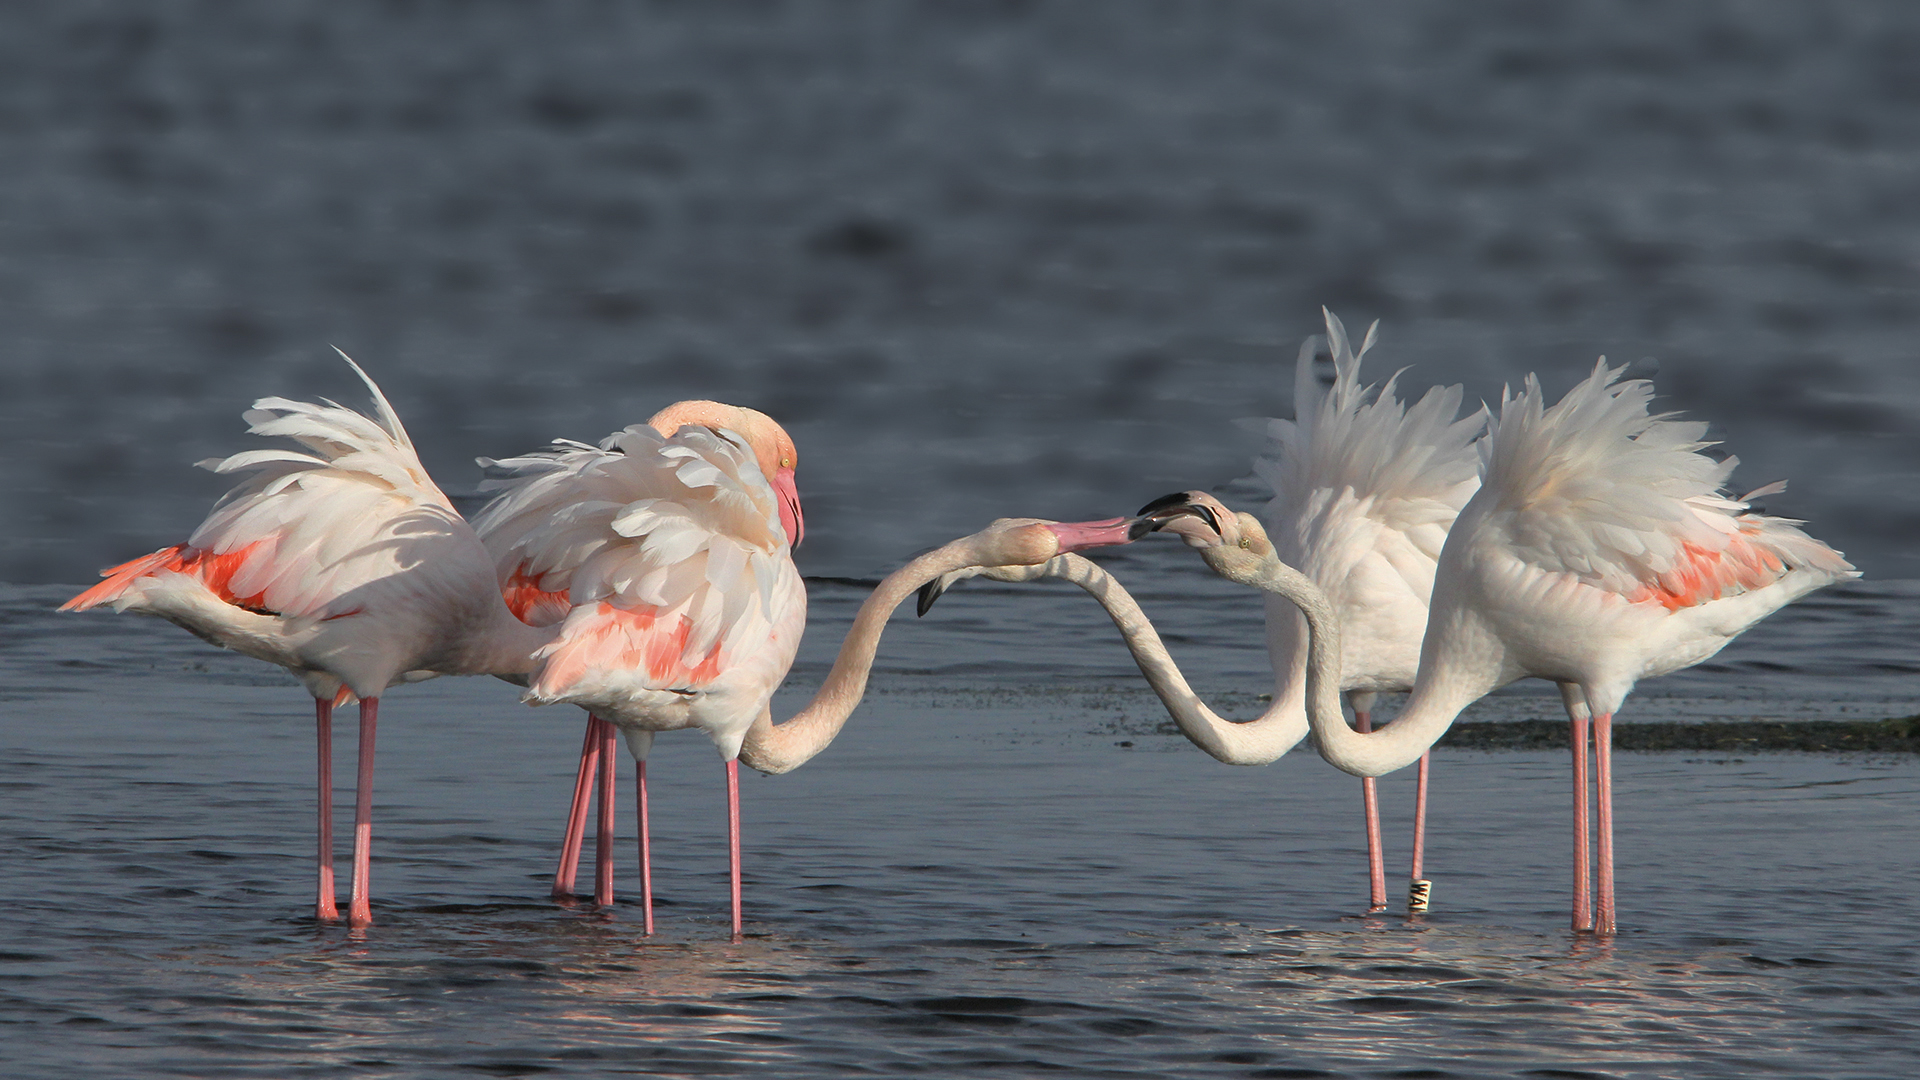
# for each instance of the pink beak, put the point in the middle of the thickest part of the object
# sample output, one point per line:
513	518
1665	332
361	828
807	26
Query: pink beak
1081	535
791	519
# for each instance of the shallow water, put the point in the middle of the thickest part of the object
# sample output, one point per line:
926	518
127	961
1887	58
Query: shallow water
981	259
1000	865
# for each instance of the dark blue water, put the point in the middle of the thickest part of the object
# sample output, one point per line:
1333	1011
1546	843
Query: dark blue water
981	259
1003	864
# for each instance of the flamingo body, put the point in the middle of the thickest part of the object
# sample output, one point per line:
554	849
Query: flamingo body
344	564
1365	489
666	562
1599	550
662	559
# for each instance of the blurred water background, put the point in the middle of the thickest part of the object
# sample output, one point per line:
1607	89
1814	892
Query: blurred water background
980	258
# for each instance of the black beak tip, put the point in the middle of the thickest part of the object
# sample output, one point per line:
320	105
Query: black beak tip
929	593
1141	526
1175	501
1167	507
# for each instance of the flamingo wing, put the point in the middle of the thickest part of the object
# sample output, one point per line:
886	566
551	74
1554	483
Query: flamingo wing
306	534
1599	491
1361	476
669	554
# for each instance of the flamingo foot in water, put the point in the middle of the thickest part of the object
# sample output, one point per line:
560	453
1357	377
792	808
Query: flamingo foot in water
603	846
325	908
1370	800
568	871
359	907
646	850
733	838
1419	889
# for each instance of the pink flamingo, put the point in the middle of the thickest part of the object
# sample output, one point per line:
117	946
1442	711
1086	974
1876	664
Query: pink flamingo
1598	551
664	553
345	565
662	557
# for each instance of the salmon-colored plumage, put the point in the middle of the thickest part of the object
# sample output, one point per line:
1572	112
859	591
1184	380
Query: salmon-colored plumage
1704	575
614	638
215	571
530	602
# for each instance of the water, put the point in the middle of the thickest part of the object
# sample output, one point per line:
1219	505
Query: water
981	259
1001	865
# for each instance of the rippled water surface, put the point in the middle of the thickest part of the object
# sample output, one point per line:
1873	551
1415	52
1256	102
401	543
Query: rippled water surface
1001	867
980	258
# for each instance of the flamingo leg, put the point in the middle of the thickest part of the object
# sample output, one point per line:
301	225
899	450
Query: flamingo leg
603	846
1582	882
359	907
1604	920
326	908
733	838
1370	799
646	849
569	869
1419	888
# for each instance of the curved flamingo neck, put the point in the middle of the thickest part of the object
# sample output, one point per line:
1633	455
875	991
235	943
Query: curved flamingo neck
1253	742
1439	693
779	748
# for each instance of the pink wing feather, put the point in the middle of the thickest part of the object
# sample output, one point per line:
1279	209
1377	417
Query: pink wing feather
1598	489
663	556
303	531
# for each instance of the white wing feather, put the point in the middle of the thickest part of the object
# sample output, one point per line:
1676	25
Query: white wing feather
1602	490
680	526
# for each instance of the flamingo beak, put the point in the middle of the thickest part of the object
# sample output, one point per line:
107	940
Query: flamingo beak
1081	535
1156	514
791	519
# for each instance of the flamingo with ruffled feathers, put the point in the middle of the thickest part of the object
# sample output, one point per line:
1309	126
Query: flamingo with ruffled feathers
663	559
1365	488
1600	550
344	564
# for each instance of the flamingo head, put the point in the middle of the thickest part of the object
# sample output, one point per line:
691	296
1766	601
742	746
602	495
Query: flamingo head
1224	538
1020	549
772	448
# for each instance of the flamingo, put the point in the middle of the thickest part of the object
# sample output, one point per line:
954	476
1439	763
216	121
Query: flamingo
345	565
1365	489
666	558
1599	550
663	556
1364	493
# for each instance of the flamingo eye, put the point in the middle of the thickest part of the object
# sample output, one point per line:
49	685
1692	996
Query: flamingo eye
786	463
1246	542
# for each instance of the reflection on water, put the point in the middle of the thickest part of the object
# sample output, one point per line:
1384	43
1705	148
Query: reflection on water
981	877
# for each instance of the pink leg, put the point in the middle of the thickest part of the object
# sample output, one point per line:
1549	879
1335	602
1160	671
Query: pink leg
733	837
326	909
1582	881
603	847
646	850
1370	799
359	907
563	878
1420	887
1603	922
